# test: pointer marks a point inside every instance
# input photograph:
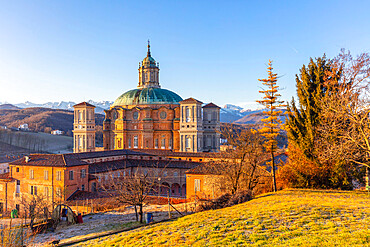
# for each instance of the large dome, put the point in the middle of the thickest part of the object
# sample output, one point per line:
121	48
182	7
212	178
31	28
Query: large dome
147	96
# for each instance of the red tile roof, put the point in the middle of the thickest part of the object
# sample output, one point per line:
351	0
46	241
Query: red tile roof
191	100
211	105
128	163
83	104
5	176
59	160
205	169
162	152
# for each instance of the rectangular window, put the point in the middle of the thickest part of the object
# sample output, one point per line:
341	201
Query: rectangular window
18	188
71	175
163	143
83	187
136	142
58	192
59	176
33	190
156	143
129	142
170	144
187	142
46	175
93	187
17	169
31	174
83	173
196	185
46	191
175	174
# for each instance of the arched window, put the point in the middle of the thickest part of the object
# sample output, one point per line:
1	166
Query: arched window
187	113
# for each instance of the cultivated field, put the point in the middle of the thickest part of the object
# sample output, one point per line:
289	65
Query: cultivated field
285	218
37	142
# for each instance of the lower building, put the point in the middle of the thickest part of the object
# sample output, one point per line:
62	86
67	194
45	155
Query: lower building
57	177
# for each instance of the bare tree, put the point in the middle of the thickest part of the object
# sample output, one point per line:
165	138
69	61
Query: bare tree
132	187
238	167
345	133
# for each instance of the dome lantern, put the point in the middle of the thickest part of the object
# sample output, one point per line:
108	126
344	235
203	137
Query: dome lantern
148	72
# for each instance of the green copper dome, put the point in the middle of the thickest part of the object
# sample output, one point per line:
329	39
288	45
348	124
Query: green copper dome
147	96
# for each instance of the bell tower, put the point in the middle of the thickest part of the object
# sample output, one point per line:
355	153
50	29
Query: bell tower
84	128
148	72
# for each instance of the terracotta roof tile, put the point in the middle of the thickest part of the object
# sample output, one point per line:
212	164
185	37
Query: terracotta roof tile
205	168
121	164
211	105
83	104
5	176
191	100
162	152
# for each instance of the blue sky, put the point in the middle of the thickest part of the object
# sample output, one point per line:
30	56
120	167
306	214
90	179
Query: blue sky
211	50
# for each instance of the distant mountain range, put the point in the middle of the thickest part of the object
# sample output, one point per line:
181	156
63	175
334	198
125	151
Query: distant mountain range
229	113
62	105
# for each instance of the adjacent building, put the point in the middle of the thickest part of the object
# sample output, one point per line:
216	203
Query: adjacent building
56	177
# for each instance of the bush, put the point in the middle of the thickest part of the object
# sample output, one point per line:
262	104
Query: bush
226	200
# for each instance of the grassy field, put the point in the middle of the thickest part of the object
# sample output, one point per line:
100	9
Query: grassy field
285	218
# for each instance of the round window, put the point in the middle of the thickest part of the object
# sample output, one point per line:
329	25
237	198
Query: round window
136	115
163	115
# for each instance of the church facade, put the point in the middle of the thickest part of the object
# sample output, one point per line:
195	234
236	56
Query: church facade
150	117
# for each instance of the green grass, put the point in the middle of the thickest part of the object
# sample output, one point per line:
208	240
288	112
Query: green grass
285	218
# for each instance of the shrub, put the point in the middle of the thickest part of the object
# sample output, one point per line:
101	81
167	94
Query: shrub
226	200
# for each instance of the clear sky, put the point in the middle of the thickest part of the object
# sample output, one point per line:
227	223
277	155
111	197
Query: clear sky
210	50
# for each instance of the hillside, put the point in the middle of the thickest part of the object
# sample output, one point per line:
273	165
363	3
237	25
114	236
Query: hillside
40	118
285	218
8	107
254	117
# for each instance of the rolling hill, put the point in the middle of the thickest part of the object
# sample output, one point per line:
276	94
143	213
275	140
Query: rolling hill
39	118
8	107
286	218
254	117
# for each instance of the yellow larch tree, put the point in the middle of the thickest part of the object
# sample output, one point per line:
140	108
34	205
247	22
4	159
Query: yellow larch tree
271	124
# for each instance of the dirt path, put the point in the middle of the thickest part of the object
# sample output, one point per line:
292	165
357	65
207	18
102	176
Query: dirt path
102	222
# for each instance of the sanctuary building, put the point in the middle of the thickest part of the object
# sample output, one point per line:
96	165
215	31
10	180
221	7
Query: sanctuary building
150	117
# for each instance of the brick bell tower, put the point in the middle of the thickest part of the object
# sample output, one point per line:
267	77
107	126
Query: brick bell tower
84	128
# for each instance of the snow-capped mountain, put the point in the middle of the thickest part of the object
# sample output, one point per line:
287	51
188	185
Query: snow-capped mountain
230	113
100	105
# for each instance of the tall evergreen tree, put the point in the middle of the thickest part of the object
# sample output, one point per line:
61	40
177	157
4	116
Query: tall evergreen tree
304	126
302	123
272	122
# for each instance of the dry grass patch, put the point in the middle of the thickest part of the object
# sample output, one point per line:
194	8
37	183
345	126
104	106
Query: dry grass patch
285	218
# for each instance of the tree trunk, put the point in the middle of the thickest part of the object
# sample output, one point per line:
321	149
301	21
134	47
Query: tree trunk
141	213
137	218
273	171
